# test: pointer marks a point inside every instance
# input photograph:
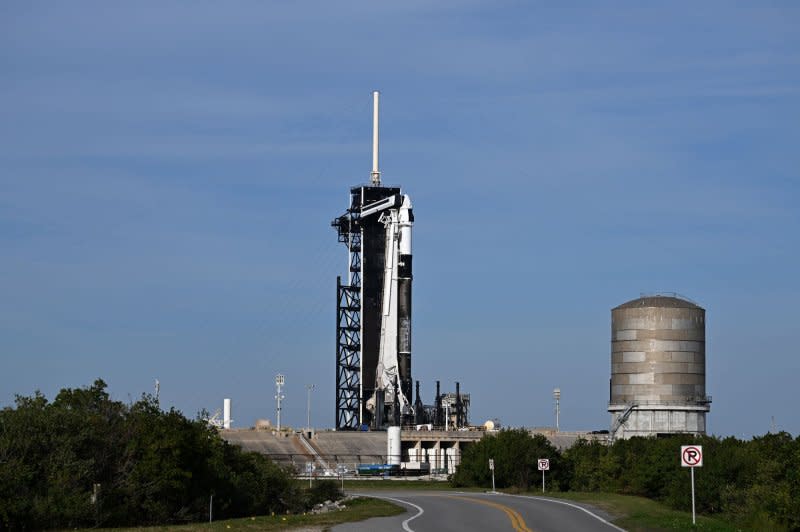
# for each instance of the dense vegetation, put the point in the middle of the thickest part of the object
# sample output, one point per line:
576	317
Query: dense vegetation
752	482
86	460
515	453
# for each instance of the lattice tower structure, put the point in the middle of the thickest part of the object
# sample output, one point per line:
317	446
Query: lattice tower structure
358	303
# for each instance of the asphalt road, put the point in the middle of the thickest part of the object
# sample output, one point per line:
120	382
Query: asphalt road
443	511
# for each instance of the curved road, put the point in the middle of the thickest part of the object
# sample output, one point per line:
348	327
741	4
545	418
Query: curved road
443	511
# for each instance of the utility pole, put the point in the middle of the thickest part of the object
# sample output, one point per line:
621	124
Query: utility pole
279	381
557	398
309	388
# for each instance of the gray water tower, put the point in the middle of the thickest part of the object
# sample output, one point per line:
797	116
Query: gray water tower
658	367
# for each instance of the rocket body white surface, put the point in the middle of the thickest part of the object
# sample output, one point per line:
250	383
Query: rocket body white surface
393	374
405	221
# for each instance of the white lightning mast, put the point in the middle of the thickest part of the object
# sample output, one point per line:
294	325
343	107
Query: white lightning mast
375	174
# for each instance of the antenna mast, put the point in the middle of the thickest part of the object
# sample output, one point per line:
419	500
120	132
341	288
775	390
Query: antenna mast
375	174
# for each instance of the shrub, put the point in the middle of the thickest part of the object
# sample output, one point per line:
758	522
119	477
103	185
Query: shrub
87	461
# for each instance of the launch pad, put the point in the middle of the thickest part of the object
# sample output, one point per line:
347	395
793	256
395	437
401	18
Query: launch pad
373	311
360	317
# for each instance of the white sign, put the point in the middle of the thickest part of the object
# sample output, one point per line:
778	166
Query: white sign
491	464
692	455
544	464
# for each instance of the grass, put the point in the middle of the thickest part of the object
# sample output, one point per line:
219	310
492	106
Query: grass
639	514
357	509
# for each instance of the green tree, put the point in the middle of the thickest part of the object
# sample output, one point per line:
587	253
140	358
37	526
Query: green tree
86	460
515	453
591	466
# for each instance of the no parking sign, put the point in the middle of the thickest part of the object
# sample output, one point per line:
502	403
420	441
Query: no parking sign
544	465
692	455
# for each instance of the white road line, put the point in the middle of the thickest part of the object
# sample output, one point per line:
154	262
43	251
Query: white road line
581	508
405	523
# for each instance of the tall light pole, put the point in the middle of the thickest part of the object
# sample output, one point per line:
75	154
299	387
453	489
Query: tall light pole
557	397
309	387
279	380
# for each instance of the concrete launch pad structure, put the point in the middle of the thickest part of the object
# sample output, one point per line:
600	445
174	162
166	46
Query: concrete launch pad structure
416	452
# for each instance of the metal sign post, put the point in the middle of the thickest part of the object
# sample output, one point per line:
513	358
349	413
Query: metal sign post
691	457
544	465
341	469
491	467
693	514
310	473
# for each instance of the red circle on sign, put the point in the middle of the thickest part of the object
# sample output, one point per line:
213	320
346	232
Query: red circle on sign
692	456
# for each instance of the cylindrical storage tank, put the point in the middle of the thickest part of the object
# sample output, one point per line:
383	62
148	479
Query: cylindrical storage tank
226	413
658	367
393	450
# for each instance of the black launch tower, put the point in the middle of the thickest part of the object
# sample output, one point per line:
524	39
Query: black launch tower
359	302
373	305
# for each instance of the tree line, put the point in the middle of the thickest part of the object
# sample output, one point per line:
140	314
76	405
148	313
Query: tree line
752	482
85	460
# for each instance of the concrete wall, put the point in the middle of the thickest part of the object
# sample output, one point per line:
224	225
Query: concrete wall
668	421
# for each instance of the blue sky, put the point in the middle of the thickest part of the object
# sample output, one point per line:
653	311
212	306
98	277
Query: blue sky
168	173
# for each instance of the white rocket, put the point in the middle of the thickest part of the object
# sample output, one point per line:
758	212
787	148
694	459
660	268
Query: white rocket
393	374
394	359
